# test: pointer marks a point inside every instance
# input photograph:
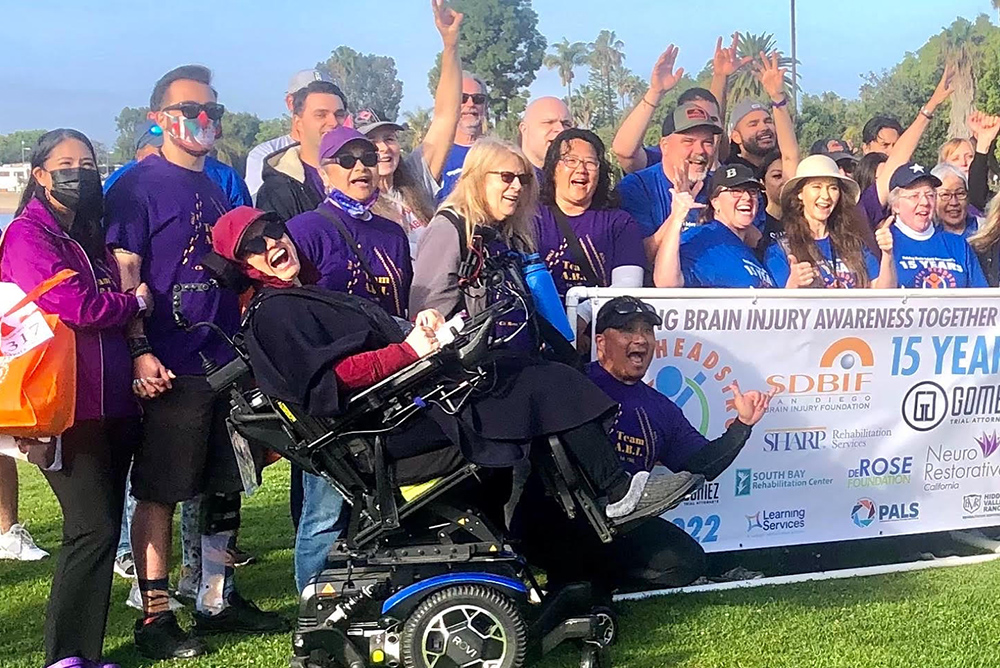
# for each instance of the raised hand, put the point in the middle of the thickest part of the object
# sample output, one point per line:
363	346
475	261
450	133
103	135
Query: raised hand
883	237
727	62
983	126
944	88
801	274
682	204
448	22
664	77
771	77
750	406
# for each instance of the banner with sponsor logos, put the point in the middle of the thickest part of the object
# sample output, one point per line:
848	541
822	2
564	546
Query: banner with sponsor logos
885	421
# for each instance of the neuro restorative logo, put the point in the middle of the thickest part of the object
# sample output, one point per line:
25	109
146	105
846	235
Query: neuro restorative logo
867	512
946	466
773	521
841	381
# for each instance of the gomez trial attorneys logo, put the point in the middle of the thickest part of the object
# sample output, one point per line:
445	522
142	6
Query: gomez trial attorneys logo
925	406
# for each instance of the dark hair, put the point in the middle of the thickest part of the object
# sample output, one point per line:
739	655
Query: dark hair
843	226
864	172
325	87
198	73
414	194
604	198
697	93
769	158
876	125
87	232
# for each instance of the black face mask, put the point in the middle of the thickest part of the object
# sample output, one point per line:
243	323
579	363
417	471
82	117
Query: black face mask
79	190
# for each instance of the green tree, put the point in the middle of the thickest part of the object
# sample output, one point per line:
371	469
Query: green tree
368	80
18	143
606	55
273	128
962	44
239	135
125	122
826	116
565	58
500	43
744	83
418	122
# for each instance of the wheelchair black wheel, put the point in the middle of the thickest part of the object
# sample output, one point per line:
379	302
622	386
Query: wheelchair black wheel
607	620
466	625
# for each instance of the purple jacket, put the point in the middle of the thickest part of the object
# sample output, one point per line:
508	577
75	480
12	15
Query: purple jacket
91	303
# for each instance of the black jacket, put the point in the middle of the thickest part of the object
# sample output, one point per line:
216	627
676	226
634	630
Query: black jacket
286	190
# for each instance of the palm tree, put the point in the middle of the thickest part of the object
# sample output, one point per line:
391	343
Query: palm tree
567	56
744	83
418	122
583	108
606	54
996	6
630	88
960	45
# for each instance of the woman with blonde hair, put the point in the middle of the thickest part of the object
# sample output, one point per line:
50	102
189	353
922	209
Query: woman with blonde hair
493	204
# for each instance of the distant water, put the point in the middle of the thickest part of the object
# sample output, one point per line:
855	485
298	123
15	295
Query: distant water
5	218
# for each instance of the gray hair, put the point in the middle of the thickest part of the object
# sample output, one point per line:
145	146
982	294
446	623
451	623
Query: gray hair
893	199
466	74
943	169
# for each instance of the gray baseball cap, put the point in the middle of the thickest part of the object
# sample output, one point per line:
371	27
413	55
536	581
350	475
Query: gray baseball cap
687	117
303	78
744	108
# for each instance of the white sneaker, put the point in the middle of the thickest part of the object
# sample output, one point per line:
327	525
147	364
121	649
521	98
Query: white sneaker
134	600
18	544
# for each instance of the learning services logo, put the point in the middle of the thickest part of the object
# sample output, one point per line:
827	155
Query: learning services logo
841	381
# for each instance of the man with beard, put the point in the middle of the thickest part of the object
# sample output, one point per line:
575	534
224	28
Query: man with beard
752	133
688	146
159	216
471	126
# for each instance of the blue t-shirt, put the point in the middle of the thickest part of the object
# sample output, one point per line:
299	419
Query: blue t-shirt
649	429
654	155
452	170
646	196
942	261
222	174
712	256
776	261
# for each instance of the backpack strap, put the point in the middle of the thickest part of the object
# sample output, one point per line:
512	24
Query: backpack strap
350	241
576	248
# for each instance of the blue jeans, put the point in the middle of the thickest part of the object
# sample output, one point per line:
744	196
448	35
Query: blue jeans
124	540
319	528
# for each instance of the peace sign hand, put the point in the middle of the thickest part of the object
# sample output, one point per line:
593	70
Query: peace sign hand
771	76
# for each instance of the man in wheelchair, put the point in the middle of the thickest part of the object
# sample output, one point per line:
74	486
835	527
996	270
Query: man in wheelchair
424	574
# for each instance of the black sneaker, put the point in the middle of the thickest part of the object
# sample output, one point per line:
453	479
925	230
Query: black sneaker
241	557
240	616
163	638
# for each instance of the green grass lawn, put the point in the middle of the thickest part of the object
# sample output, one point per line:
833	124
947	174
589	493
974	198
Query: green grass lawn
930	619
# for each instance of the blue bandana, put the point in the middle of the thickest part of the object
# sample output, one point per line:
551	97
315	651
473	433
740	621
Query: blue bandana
353	208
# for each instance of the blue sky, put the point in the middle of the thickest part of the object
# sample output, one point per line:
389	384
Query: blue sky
72	63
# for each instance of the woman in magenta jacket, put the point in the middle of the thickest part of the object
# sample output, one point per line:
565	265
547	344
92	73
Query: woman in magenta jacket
58	226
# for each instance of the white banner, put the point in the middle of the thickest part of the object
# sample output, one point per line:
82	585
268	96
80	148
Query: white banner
886	419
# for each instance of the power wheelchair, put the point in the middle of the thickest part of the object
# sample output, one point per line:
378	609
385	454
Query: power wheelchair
423	580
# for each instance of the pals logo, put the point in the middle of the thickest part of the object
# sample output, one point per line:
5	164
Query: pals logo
841	381
866	512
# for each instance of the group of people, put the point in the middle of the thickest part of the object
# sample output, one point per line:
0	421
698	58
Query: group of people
336	208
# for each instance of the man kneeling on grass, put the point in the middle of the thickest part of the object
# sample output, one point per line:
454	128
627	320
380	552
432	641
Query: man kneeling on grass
649	430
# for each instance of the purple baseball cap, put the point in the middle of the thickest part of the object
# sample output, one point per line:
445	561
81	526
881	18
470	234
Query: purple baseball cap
338	138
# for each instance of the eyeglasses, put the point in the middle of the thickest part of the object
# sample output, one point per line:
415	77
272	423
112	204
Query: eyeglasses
273	229
477	98
572	162
739	192
508	177
917	196
947	195
347	160
193	110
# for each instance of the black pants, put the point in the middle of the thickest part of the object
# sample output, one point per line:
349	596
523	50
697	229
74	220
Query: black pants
91	492
655	554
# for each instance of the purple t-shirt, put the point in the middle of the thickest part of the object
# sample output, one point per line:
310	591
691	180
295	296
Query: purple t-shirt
165	213
650	429
610	239
383	243
870	208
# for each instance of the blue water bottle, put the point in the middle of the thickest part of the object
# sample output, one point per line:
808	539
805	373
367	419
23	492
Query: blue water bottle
543	293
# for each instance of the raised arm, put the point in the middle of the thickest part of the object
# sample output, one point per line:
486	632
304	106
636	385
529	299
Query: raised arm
908	141
667	272
628	142
725	63
448	98
984	128
772	78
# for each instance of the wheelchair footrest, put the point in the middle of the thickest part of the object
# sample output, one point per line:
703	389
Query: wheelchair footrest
574	628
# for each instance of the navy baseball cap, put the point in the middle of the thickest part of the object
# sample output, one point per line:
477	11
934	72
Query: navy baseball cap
147	133
620	311
908	174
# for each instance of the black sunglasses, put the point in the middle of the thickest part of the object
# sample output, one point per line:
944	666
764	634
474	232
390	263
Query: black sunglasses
477	98
192	110
273	229
630	305
508	177
347	160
